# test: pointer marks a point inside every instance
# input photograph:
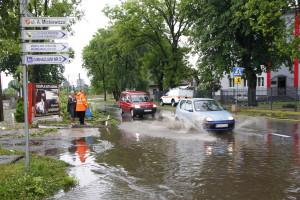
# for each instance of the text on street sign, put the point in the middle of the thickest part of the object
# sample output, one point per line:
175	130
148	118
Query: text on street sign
45	59
45	47
44	34
44	21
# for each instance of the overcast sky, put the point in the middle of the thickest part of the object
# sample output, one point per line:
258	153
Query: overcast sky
84	31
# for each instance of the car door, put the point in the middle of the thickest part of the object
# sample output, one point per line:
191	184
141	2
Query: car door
180	110
127	103
188	110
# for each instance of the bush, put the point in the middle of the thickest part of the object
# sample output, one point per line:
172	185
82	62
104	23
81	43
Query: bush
19	114
63	100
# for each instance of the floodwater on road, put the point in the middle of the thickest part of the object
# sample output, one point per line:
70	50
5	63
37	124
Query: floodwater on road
162	159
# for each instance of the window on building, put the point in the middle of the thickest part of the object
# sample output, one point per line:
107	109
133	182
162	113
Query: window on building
245	83
260	81
231	82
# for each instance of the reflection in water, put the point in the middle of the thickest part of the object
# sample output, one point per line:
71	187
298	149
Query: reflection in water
146	160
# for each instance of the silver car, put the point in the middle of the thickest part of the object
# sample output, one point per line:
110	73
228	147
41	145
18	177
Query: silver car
205	112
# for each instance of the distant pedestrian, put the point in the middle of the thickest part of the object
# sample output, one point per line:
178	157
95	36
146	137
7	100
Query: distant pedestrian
72	106
81	106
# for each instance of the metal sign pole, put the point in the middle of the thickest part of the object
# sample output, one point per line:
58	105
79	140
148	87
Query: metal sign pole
25	88
23	5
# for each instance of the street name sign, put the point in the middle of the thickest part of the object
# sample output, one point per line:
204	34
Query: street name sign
45	47
44	21
44	34
238	71
45	59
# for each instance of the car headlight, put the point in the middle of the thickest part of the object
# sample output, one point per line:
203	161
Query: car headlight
208	119
154	105
137	106
230	118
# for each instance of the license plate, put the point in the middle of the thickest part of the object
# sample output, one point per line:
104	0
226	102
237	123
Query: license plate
221	125
148	110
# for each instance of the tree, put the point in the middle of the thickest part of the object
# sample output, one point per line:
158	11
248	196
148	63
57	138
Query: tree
10	57
160	24
246	33
113	63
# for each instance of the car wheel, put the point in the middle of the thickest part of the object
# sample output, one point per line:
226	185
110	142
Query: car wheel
173	103
153	115
161	102
132	113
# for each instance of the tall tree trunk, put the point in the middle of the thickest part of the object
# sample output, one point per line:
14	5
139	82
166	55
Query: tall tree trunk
1	102
252	81
103	81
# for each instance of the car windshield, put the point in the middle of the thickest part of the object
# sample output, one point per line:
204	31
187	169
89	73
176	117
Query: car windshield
207	105
140	98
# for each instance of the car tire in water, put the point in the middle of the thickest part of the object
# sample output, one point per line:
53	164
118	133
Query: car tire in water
173	103
161	102
132	113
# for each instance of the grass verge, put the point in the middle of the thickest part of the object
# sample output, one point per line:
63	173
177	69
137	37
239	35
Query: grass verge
278	114
45	177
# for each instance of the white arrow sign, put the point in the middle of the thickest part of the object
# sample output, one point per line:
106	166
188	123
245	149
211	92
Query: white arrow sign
44	34
44	21
45	47
45	59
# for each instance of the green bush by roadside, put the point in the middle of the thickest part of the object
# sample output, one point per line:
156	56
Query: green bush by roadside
45	177
19	114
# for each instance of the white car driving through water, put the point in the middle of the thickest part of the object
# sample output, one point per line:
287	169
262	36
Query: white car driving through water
205	112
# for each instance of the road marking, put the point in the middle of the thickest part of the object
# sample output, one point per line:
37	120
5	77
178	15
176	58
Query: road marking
280	135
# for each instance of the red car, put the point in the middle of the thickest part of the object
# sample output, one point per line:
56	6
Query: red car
136	103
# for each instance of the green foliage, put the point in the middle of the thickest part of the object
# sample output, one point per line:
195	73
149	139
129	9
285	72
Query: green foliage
140	47
63	103
46	176
19	114
246	33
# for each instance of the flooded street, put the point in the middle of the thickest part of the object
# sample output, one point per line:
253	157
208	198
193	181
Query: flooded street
161	159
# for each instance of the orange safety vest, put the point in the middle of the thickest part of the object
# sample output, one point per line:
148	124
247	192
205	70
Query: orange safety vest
81	102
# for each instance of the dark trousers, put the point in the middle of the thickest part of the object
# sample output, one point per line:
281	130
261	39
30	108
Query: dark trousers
81	115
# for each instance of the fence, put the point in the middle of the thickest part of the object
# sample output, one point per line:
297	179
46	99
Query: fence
271	98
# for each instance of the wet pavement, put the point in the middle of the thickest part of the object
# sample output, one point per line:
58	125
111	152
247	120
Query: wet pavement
162	159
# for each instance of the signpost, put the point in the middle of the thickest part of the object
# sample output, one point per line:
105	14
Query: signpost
237	72
45	59
45	47
44	34
39	59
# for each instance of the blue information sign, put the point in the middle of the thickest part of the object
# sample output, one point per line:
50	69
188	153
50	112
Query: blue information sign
238	71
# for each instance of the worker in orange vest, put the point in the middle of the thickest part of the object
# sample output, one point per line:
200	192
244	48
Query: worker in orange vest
81	106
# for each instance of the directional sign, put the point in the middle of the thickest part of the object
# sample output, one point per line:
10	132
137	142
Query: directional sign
44	34
44	21
238	71
45	59
237	80
45	47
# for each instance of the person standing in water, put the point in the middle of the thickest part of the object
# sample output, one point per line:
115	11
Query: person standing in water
72	106
81	106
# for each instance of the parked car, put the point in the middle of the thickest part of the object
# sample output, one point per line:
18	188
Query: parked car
206	112
136	103
174	95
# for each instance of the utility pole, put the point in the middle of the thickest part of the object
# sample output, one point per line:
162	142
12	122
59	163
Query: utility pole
23	12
